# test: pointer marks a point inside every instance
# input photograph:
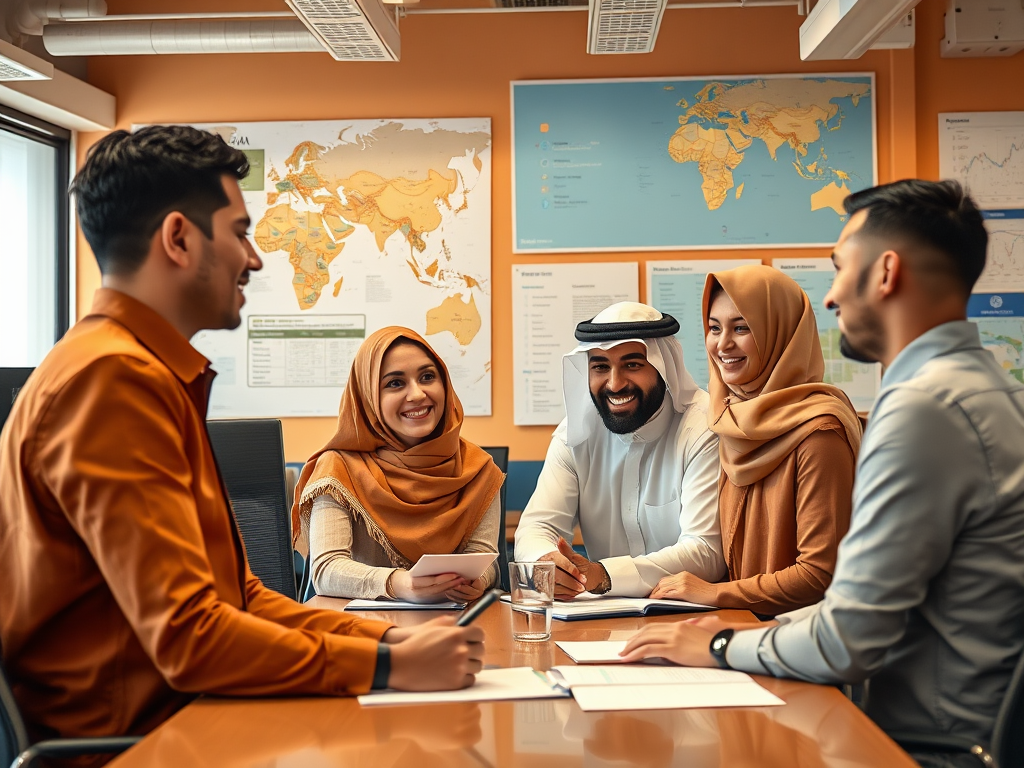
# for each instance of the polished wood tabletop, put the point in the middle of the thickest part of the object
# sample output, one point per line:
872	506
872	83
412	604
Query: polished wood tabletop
817	727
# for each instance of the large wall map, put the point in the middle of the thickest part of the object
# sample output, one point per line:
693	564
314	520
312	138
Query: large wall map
652	164
360	224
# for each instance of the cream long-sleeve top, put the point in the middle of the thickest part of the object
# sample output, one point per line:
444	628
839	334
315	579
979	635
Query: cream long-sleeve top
348	562
646	502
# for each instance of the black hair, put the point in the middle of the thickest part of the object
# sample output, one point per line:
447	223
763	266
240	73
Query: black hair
131	181
938	215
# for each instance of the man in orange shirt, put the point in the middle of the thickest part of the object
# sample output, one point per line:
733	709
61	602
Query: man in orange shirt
125	586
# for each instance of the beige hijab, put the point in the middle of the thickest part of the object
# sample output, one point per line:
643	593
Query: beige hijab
413	501
762	423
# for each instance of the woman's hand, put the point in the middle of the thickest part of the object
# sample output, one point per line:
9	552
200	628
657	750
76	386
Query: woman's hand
423	589
677	587
467	592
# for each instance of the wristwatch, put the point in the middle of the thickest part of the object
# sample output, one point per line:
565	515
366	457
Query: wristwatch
382	671
718	645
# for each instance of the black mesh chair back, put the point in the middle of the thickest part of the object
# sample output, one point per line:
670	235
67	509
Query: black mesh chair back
250	454
500	457
13	736
11	382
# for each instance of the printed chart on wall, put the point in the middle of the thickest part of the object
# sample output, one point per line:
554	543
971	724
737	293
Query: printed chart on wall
676	163
985	152
860	381
677	288
360	224
548	301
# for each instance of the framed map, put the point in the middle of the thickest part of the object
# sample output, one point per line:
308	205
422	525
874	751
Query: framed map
677	163
360	224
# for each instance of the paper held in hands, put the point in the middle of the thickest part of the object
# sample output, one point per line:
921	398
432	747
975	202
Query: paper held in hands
603	689
468	565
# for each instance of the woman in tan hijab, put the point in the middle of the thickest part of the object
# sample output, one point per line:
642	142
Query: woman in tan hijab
787	442
396	481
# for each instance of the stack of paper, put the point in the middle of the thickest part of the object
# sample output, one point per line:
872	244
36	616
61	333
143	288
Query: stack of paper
399	605
600	689
491	685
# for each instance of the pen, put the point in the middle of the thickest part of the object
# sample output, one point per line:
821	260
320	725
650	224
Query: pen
479	607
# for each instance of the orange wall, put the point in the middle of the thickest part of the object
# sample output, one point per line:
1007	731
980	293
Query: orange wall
461	65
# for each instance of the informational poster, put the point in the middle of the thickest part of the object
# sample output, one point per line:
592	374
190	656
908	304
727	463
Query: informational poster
677	288
360	224
860	381
673	163
548	301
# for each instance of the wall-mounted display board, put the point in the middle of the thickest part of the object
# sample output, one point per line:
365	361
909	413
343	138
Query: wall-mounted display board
548	301
676	163
360	224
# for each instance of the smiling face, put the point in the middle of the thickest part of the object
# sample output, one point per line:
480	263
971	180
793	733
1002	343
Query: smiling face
624	386
412	393
214	294
854	257
730	343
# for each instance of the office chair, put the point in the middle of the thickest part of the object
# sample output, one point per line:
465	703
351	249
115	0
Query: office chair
11	382
500	458
250	455
1007	747
16	750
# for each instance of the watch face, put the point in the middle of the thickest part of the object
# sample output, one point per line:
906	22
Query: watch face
720	643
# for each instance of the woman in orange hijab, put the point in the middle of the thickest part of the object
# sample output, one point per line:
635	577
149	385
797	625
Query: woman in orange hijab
396	481
787	442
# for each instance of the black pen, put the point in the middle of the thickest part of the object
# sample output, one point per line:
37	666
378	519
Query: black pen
479	607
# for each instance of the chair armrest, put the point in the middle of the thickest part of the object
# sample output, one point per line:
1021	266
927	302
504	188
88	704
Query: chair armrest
941	742
74	748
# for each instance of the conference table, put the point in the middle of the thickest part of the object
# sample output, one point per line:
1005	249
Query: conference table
817	727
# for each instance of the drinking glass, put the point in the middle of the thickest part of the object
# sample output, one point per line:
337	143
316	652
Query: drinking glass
533	592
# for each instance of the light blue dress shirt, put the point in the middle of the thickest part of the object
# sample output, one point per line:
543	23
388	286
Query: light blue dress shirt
928	594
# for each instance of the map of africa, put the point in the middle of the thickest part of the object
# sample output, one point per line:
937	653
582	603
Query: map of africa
687	163
360	225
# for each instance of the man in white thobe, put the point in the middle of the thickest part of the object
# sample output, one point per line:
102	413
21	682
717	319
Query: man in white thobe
633	462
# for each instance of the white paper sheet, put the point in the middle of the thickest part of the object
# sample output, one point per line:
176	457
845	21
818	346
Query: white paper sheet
648	676
491	685
468	565
602	698
399	605
593	651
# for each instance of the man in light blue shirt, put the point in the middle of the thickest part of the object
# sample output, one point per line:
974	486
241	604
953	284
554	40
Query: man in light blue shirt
927	599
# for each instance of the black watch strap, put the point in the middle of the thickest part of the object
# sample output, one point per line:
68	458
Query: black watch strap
382	672
719	644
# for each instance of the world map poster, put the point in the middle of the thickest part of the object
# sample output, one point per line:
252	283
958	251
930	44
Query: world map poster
360	224
675	163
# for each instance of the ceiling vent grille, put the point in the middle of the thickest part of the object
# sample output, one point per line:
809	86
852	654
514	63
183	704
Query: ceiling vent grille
351	30
624	26
16	64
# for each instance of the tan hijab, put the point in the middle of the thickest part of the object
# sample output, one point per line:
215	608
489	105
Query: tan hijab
762	423
425	499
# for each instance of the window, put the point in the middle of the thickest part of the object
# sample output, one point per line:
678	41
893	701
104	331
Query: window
34	260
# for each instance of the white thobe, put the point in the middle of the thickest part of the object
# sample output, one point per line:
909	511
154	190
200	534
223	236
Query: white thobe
646	502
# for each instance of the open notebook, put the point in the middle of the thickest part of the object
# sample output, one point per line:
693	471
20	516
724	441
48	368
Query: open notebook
588	606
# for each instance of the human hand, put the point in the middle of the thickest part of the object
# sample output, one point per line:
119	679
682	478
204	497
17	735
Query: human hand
573	572
679	586
682	642
467	592
423	589
435	656
715	624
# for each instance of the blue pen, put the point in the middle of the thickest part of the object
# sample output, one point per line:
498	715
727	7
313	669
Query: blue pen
479	607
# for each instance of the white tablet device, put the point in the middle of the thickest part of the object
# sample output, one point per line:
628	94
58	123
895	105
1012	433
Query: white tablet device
469	565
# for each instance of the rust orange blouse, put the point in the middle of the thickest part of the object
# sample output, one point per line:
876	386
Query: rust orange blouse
125	589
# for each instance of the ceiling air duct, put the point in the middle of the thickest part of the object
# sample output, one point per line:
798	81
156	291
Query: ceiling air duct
624	26
845	29
351	30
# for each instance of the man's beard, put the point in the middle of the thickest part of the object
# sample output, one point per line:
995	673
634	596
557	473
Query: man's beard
852	353
647	404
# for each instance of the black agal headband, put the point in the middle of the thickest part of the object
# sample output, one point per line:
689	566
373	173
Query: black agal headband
647	329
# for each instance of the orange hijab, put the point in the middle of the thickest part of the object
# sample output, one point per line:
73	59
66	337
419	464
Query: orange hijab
425	499
762	423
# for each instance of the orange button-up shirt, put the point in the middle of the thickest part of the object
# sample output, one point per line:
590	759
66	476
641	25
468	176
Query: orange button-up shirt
124	589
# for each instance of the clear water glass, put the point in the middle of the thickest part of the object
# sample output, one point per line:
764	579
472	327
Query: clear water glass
533	594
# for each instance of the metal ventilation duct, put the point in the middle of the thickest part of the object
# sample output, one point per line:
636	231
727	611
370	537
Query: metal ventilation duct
351	30
117	38
624	26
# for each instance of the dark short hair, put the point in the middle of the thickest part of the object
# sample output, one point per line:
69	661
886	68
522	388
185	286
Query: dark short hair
131	181
938	215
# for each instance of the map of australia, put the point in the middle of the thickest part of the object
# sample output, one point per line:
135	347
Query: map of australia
727	118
